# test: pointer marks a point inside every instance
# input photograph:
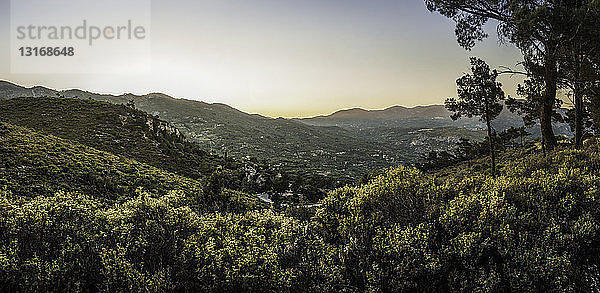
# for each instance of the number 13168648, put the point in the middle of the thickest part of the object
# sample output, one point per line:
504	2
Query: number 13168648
46	51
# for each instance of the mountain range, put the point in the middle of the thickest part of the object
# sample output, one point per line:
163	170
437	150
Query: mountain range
344	145
431	111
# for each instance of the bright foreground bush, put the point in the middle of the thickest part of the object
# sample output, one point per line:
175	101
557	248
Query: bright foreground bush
536	228
533	228
71	242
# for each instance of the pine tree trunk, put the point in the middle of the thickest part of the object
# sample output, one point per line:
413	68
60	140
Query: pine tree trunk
549	98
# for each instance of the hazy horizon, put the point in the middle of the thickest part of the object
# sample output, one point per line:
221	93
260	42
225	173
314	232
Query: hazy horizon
291	59
217	102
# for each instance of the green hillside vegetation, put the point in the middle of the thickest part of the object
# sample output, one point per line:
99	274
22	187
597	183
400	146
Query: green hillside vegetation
34	164
126	131
533	228
117	129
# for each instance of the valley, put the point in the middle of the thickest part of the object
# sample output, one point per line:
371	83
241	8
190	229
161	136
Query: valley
338	148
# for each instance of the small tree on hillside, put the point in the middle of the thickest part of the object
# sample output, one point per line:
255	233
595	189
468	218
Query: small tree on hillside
479	95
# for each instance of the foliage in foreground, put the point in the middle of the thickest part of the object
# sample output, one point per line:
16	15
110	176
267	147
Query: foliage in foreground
533	228
70	243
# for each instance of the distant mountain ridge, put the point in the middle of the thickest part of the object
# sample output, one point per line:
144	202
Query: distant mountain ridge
393	112
10	90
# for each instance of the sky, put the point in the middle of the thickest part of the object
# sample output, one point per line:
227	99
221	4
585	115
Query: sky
286	58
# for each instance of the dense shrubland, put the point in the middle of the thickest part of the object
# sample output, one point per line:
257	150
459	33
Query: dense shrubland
533	228
71	242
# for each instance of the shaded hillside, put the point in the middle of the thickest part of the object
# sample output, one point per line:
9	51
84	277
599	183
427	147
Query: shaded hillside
117	129
340	147
295	146
34	164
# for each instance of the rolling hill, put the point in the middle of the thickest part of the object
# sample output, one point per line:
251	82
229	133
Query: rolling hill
117	129
33	164
134	134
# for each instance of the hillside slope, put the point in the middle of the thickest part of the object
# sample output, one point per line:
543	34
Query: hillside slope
34	164
295	146
122	130
112	128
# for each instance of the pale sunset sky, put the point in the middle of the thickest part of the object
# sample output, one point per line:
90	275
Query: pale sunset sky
290	58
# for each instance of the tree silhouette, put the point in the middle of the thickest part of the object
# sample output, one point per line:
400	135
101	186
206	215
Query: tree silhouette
540	29
479	95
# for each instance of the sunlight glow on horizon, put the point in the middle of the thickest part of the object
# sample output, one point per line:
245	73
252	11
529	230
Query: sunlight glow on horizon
292	59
